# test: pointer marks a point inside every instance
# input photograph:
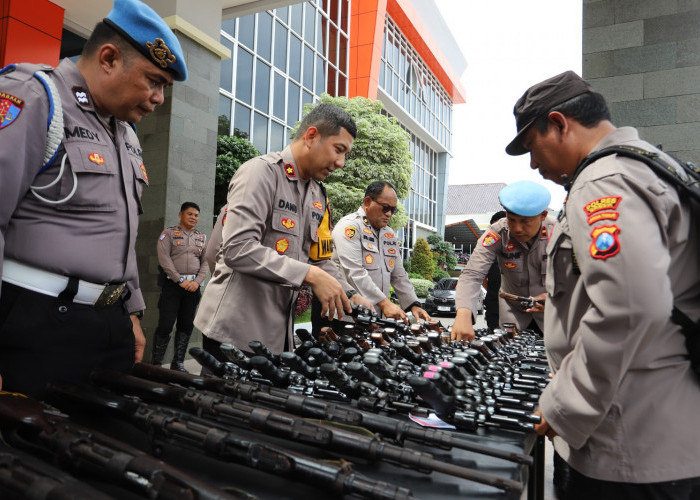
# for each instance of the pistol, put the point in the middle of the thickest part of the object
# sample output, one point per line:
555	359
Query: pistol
523	302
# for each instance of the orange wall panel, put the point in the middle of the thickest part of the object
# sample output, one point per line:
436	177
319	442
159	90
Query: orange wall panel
40	14
366	34
30	31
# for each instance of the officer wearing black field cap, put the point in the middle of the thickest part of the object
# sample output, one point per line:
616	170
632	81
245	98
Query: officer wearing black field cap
518	244
70	200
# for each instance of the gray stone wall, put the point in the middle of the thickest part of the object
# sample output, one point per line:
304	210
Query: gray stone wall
179	152
644	57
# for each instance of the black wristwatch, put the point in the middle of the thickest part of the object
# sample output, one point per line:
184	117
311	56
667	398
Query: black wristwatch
350	293
138	314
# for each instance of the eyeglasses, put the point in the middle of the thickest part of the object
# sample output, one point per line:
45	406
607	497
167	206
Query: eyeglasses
387	209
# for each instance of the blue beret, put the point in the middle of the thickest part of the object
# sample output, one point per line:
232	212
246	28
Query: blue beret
141	26
525	198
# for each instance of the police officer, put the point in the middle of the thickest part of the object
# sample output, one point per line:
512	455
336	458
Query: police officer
70	200
622	262
367	251
518	244
276	238
181	257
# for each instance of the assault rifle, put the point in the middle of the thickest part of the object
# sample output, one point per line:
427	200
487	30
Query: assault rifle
523	302
217	440
398	430
27	425
232	411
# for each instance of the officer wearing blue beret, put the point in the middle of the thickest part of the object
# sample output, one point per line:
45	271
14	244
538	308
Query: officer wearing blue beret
518	243
70	199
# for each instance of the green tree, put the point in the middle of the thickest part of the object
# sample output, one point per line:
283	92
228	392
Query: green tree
444	251
379	152
231	153
422	259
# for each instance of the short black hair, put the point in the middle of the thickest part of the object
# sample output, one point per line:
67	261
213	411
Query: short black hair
377	188
189	204
497	216
588	109
103	34
328	120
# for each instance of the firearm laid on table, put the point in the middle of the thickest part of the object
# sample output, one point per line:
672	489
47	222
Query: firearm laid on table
218	440
523	301
229	410
30	426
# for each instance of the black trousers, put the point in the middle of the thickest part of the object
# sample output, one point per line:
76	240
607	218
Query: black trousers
44	338
176	304
585	488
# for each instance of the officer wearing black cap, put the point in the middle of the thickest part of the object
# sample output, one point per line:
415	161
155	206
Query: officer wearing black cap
518	244
70	199
622	266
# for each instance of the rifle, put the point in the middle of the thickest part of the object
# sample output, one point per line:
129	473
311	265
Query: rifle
217	440
21	473
398	430
26	424
228	410
523	302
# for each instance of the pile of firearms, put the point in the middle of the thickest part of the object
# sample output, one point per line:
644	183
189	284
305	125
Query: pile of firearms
347	394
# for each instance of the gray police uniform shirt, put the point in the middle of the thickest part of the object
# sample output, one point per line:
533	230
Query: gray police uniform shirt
181	252
91	235
623	253
272	220
371	259
522	265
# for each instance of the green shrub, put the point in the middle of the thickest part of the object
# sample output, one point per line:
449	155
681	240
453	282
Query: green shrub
421	286
422	261
439	274
415	276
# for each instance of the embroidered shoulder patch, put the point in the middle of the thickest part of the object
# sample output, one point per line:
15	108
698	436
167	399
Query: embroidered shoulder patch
605	203
143	172
162	236
10	108
605	242
490	239
350	232
510	246
290	170
603	216
282	245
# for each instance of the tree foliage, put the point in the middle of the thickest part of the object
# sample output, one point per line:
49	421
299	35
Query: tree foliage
379	152
231	152
421	286
422	259
443	252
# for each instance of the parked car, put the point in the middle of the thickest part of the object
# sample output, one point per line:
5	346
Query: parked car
441	298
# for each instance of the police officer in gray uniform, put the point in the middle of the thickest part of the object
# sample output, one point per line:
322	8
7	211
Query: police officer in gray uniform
181	251
70	200
518	243
367	251
276	238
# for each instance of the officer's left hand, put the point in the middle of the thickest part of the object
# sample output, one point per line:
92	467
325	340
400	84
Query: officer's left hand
543	428
190	286
139	339
359	300
539	308
419	313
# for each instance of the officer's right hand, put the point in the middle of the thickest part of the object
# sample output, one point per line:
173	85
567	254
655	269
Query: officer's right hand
462	328
328	291
391	310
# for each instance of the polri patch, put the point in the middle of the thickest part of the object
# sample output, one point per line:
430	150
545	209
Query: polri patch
369	259
510	265
391	251
350	232
96	158
391	263
290	170
317	205
370	246
603	216
510	246
282	245
605	242
366	230
388	235
288	223
604	203
10	108
490	239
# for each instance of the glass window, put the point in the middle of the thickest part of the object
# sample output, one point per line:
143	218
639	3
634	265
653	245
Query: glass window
320	23
308	67
295	58
293	103
276	136
226	77
332	51
241	119
342	85
260	133
282	13
244	76
246	30
320	75
296	17
224	127
333	12
345	8
262	87
265	35
278	104
306	98
229	26
309	23
330	88
343	54
280	47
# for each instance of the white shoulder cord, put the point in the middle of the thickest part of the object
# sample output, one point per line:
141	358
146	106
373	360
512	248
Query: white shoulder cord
34	189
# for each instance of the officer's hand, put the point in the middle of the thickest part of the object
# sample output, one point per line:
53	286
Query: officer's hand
359	300
328	291
539	308
139	339
391	310
543	428
190	286
419	313
462	328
